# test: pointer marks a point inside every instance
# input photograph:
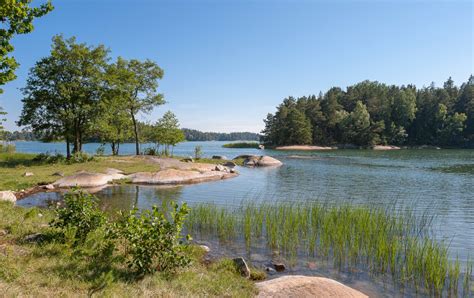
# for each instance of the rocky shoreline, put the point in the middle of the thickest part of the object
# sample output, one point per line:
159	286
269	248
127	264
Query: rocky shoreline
172	172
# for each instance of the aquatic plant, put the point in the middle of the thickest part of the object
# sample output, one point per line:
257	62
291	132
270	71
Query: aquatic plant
383	241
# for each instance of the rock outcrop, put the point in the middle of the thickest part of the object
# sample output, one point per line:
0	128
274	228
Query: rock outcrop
305	286
304	148
174	176
86	179
7	196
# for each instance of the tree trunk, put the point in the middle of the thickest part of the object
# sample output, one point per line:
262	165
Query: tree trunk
112	144
135	131
68	148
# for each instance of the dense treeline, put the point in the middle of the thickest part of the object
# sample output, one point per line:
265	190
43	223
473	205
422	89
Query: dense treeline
370	113
196	135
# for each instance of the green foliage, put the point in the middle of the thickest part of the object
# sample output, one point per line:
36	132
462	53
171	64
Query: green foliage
48	158
198	152
254	145
79	216
166	132
63	90
16	18
136	84
153	240
370	113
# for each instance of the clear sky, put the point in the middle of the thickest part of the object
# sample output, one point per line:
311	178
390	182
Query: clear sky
228	63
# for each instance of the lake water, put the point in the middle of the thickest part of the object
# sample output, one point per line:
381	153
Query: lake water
399	179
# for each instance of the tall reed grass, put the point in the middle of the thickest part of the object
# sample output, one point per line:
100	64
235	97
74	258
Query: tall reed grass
381	240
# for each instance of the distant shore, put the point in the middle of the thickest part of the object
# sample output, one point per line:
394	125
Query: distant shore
348	146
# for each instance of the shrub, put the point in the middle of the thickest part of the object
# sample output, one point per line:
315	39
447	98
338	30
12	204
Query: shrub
80	157
79	216
100	151
198	152
150	151
154	241
49	158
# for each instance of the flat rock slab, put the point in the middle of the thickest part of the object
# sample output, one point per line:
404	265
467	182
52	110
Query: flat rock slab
7	196
304	148
305	286
388	147
174	176
86	179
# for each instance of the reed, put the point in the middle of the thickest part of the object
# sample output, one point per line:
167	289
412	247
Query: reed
383	241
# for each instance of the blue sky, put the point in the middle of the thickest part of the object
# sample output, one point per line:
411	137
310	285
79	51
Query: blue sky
228	63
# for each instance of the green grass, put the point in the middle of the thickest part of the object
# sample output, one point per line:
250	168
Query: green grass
254	145
14	165
52	269
381	241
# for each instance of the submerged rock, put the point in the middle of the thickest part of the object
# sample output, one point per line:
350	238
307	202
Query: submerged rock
279	267
7	196
230	164
261	161
305	286
242	266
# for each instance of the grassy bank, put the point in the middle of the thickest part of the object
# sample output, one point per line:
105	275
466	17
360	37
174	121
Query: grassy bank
253	145
380	241
52	268
14	165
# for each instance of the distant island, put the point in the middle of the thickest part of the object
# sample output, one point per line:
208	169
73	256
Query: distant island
190	135
371	113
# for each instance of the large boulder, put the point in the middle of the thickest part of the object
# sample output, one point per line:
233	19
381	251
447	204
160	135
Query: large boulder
305	286
244	156
267	161
7	196
84	179
262	161
174	176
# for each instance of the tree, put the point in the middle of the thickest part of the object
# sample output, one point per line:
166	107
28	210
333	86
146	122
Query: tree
16	18
167	132
357	126
298	128
137	83
63	90
114	123
2	114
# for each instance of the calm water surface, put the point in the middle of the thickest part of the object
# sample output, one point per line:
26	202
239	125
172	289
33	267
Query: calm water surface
392	179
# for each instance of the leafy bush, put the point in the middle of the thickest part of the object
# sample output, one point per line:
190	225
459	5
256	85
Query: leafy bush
80	157
100	151
49	158
150	151
198	152
79	216
154	241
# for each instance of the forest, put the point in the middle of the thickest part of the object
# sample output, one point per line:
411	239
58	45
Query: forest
372	113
